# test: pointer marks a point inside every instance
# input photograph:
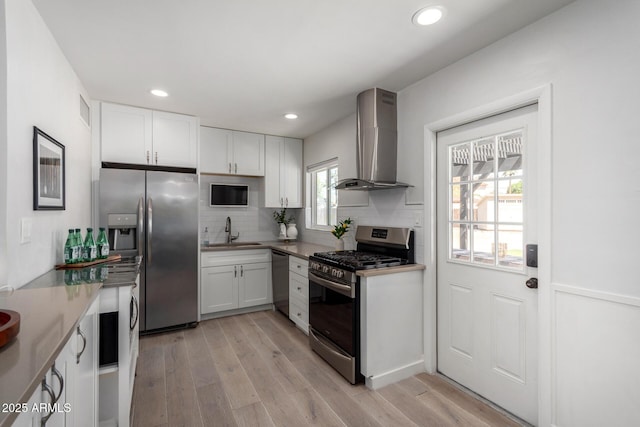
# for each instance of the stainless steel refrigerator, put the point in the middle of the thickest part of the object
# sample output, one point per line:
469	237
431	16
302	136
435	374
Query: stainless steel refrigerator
155	214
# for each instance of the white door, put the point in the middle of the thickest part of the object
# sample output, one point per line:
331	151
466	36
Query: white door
487	316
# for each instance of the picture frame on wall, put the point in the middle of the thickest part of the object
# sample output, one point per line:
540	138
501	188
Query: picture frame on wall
48	172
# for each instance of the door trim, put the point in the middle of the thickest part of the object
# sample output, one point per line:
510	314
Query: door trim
543	97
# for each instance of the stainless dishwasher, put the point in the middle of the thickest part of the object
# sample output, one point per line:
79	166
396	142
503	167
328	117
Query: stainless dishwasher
280	280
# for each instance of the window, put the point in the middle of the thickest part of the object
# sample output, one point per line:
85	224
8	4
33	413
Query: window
486	213
323	178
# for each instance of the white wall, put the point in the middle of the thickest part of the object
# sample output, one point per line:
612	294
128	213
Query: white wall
43	91
380	207
3	146
588	52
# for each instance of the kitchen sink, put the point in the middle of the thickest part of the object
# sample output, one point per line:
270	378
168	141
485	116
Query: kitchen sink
233	244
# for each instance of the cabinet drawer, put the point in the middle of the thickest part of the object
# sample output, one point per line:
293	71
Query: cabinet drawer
220	258
299	315
299	265
298	286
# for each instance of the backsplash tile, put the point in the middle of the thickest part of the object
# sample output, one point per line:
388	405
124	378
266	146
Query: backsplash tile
252	222
386	208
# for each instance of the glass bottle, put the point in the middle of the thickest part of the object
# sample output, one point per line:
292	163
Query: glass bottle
77	246
205	237
89	249
103	244
68	248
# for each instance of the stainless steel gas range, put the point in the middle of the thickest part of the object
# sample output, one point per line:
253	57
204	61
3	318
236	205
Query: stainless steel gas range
334	293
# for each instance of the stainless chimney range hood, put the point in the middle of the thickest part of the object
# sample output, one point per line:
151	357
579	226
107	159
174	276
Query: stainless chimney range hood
377	143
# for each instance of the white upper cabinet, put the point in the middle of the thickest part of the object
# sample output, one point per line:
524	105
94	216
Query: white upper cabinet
231	152
175	139
126	134
216	150
283	172
145	137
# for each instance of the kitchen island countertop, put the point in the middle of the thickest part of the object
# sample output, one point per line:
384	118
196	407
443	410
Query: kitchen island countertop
48	316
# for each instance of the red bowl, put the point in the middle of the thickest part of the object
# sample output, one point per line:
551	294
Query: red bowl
9	326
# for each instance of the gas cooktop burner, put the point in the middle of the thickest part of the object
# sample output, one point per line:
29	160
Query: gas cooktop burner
359	259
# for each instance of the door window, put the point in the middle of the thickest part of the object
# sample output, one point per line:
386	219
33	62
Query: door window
486	201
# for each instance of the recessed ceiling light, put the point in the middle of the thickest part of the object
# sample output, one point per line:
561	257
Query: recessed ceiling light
291	116
159	92
428	15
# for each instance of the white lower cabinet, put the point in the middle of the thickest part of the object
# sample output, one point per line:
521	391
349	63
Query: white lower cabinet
85	393
116	381
254	286
234	279
219	289
299	293
68	393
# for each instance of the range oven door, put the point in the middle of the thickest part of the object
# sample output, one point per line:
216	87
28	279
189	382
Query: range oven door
334	333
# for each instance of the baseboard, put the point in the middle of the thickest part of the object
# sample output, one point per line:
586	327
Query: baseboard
236	311
398	374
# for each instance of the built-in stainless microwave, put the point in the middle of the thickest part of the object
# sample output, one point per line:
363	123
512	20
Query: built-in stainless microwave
222	195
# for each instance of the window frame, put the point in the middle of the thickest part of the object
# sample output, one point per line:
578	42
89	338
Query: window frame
494	223
312	172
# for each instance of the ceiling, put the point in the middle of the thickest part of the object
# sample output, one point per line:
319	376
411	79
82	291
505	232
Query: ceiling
243	64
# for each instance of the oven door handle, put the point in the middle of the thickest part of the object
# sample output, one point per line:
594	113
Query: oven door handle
349	291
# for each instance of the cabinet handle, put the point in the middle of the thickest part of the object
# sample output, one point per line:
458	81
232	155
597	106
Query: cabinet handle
236	168
148	156
241	271
156	157
58	375
299	314
46	387
286	202
84	345
235	271
299	288
229	167
133	321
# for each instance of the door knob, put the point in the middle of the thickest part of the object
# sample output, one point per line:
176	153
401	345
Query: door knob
532	283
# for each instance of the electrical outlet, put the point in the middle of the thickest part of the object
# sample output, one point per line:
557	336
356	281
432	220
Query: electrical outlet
417	220
25	230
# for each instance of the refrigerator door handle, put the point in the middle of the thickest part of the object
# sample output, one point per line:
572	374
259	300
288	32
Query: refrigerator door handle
140	224
149	229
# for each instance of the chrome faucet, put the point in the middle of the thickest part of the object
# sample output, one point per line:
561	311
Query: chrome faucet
227	229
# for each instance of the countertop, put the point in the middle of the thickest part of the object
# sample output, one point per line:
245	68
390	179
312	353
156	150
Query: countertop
48	316
390	270
304	250
121	272
50	306
298	249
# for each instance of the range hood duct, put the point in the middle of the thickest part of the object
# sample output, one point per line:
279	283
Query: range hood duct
377	135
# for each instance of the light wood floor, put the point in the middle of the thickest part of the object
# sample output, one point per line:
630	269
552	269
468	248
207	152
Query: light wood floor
257	370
